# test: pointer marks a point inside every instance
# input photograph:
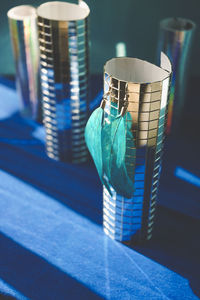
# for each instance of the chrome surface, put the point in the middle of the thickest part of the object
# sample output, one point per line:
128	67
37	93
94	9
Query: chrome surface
146	87
24	37
175	40
64	50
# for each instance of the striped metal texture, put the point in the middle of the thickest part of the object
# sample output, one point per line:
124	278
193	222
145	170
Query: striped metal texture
175	40
64	55
23	31
125	219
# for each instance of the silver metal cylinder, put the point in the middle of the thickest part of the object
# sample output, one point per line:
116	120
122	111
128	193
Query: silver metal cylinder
175	40
146	87
24	37
63	37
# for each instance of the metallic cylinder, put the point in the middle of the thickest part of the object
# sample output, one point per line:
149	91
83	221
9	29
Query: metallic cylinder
175	40
23	31
63	37
146	87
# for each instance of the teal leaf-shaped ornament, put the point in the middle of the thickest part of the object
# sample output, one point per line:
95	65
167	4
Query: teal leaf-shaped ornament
93	140
120	179
111	145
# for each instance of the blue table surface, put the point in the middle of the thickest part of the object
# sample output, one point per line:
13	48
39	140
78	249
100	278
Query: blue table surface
52	245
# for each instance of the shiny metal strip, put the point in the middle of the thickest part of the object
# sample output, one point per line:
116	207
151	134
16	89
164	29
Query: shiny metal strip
120	214
64	74
24	38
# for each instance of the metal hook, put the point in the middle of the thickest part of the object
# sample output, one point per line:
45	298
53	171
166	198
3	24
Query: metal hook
125	102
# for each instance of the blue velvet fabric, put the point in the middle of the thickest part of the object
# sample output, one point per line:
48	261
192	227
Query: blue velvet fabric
52	245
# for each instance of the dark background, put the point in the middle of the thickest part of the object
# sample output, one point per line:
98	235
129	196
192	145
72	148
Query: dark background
134	22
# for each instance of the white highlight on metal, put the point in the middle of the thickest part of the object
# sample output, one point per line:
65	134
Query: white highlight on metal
187	176
120	49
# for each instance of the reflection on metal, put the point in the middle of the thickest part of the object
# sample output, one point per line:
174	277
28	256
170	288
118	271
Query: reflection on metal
146	87
187	176
23	31
63	37
120	49
175	39
95	102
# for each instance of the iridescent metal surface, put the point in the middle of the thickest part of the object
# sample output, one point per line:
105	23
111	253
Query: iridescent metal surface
146	87
175	40
23	31
63	37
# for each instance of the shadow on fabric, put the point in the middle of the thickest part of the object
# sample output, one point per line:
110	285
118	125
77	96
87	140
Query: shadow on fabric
23	156
176	245
36	278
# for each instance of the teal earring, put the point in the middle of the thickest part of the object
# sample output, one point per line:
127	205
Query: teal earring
107	144
93	140
121	157
117	151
